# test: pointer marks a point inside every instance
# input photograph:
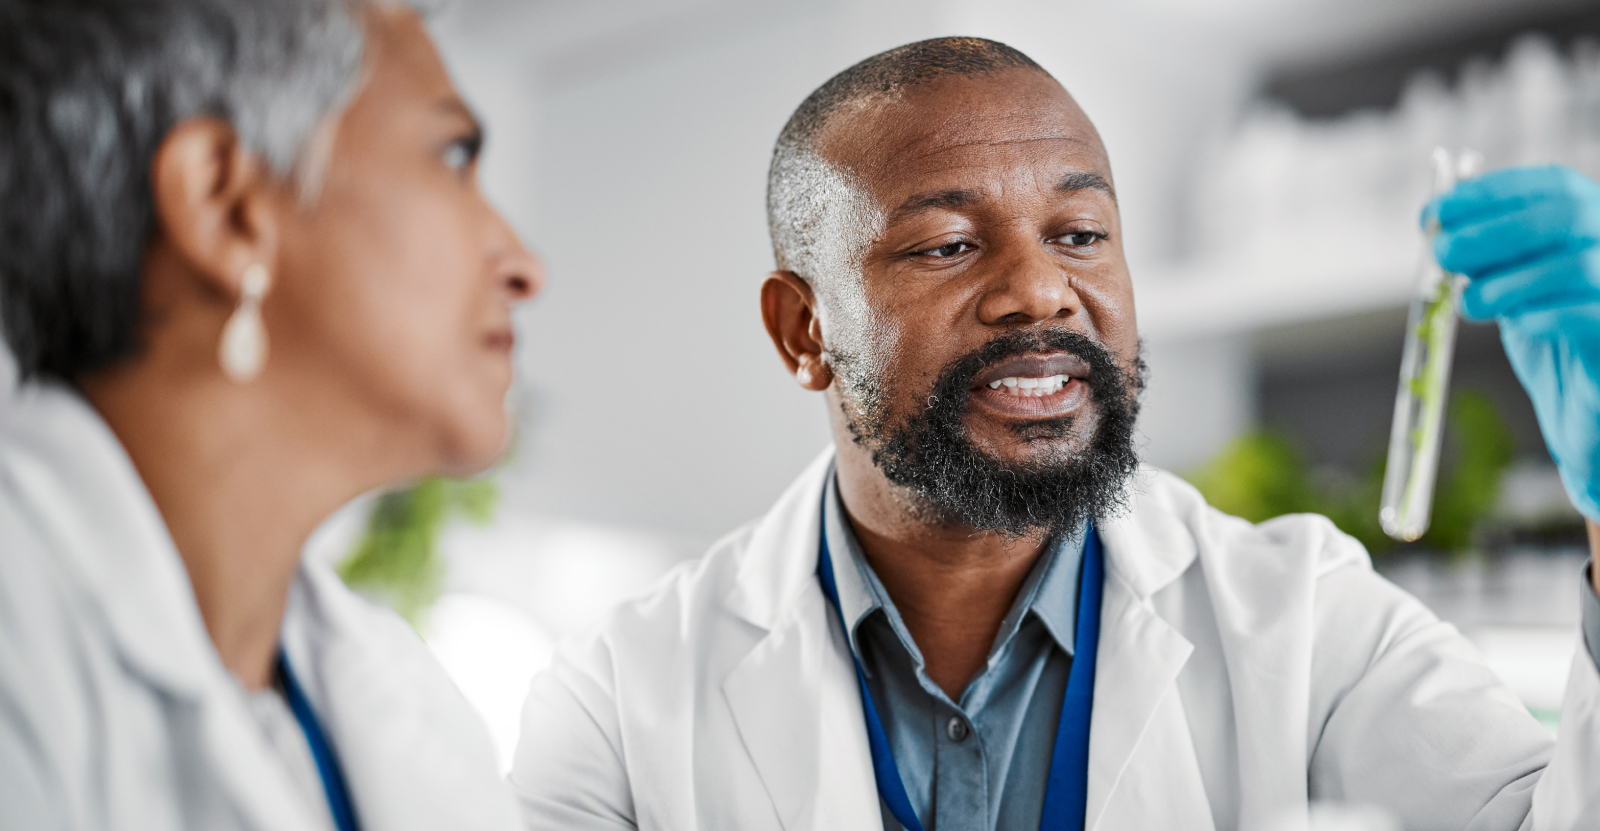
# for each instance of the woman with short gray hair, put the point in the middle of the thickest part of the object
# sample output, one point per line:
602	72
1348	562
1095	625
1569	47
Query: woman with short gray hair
246	274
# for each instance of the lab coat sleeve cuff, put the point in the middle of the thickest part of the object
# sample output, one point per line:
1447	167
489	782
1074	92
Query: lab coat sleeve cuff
1590	604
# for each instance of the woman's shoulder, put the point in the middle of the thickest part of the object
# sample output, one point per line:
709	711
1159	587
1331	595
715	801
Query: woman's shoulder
69	700
56	522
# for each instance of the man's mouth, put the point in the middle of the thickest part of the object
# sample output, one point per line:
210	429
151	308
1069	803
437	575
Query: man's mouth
1033	430
1034	375
1035	386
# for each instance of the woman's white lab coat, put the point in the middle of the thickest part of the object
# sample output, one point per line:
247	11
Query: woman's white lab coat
115	710
1243	671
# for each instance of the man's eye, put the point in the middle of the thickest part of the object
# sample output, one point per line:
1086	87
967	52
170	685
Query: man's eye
949	250
1082	238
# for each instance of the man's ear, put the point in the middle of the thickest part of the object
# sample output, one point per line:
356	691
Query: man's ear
214	204
788	307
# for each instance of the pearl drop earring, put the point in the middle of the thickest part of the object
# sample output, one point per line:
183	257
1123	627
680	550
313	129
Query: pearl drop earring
243	350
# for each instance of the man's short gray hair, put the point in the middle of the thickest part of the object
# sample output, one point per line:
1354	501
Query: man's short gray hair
815	211
88	91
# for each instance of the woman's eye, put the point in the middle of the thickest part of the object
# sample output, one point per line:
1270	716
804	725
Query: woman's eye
462	153
949	250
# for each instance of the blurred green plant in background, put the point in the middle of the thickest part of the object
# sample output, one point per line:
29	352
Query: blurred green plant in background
1263	475
397	561
1484	450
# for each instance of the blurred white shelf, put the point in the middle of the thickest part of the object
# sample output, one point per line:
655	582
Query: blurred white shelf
1289	283
1297	219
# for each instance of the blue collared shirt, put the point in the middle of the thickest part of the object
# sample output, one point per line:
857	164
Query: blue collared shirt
981	762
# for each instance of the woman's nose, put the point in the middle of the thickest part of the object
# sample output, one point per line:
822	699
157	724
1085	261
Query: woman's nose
519	272
524	275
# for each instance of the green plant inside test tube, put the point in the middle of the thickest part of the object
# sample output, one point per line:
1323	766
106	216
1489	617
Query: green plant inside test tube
1424	378
1436	331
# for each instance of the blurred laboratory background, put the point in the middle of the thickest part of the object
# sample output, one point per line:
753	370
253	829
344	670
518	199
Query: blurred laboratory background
1270	156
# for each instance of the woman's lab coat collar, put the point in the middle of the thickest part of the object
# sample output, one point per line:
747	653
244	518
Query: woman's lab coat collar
75	476
413	752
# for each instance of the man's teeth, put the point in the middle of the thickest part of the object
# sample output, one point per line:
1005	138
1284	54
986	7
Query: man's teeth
1031	386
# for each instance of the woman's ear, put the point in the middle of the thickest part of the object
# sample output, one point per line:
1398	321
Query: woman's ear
788	307
215	204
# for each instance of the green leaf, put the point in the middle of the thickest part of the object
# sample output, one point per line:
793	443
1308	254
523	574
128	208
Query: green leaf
397	559
1257	476
1485	446
1262	475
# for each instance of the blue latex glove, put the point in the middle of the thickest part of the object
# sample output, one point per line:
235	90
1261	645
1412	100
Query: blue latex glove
1529	239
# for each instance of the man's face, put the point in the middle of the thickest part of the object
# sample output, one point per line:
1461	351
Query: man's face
991	335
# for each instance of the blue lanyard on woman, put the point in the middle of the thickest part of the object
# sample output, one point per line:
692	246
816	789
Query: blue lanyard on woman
1066	793
327	764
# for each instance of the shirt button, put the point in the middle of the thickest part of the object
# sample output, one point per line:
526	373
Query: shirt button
956	729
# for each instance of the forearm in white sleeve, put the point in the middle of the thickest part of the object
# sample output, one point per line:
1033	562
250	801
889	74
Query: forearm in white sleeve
1568	795
1410	718
569	772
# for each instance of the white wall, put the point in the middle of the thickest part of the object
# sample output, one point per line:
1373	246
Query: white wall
1202	393
656	398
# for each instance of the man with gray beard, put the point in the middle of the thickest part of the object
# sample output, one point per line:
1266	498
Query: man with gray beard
977	611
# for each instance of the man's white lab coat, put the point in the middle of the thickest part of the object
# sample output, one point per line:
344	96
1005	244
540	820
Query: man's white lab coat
115	710
1243	671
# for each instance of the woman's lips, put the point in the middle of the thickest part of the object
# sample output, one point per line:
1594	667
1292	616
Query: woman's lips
501	340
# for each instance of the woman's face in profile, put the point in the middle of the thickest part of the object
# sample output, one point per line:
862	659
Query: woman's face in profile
395	285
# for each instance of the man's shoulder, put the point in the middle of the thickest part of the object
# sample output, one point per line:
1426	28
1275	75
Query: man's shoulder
1165	510
1296	581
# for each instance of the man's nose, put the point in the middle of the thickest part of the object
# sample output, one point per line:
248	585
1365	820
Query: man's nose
1027	287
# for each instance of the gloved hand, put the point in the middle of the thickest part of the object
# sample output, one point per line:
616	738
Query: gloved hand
1529	239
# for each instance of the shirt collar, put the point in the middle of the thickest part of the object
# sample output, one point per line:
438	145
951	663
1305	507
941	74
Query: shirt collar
1050	591
860	592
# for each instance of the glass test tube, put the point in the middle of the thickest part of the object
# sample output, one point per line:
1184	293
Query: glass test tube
1430	346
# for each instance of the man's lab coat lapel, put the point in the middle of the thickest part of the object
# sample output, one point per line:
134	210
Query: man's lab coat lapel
1263	614
794	697
1143	771
797	704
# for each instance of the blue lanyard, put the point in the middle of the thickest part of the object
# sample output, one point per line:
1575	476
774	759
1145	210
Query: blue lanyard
327	764
1066	793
